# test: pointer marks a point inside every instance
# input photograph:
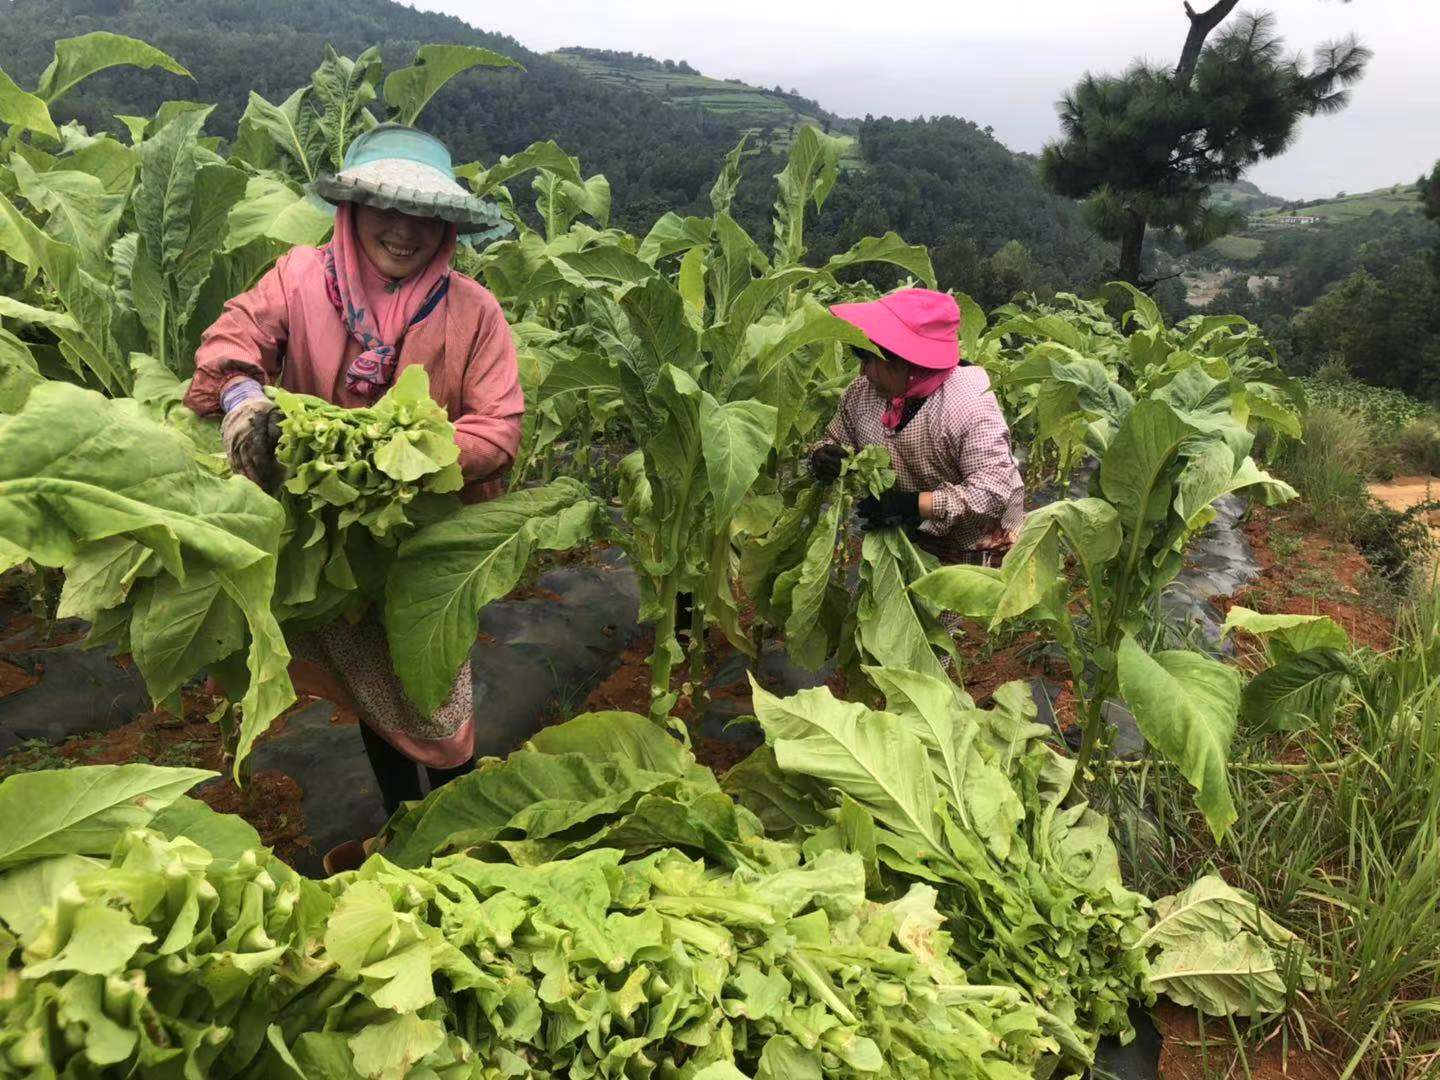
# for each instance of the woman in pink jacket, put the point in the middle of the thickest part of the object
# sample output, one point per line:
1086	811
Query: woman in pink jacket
339	322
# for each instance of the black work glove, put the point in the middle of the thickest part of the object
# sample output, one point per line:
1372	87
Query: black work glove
825	462
249	434
893	509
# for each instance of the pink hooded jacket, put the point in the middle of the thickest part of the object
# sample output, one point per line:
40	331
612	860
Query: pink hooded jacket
285	330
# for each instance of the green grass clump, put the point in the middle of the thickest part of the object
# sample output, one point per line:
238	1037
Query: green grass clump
1339	836
1418	446
1330	467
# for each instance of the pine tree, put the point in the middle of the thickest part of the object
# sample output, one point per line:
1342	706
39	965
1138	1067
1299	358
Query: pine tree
1144	147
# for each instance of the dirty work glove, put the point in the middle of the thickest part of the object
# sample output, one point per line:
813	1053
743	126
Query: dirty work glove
249	433
891	510
825	461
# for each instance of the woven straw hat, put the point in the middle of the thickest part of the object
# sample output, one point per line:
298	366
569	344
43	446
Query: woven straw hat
395	167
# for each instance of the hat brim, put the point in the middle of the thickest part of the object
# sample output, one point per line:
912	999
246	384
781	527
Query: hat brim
882	327
456	206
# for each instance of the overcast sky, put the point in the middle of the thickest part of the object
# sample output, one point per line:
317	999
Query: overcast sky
1005	62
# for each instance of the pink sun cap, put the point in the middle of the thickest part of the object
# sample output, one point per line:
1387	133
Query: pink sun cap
921	325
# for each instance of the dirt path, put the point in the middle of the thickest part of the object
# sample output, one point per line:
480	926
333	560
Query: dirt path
1403	492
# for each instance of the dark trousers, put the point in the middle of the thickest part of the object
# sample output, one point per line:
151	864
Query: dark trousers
398	776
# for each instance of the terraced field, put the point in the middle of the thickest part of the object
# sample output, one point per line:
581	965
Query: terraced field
763	112
1348	207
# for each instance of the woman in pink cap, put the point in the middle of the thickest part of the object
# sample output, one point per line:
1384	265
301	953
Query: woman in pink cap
957	487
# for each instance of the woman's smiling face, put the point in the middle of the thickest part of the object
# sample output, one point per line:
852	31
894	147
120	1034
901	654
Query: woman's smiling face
397	244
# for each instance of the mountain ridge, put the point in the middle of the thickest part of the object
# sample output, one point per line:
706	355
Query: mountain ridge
941	181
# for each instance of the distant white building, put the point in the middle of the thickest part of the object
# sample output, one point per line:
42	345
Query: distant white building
1297	219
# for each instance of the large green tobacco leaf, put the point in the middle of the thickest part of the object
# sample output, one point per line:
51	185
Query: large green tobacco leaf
10	308
342	88
76	469
584	376
735	438
88	300
873	757
1286	636
889	248
971	591
225	836
106	159
1299	690
18	373
82	214
771	344
1030	579
1212	473
182	209
1133	472
537	794
547	155
623	737
1146	313
656	317
24	111
892	628
609	263
638	366
674	235
178	628
78	58
1185	705
571	779
271	135
977	791
783	807
803	589
810	172
740	258
1215	949
272	210
447	572
84	810
1030	575
102	574
408	90
1091	529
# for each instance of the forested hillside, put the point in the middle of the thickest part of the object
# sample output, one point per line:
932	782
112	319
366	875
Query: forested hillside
654	156
1351	280
943	182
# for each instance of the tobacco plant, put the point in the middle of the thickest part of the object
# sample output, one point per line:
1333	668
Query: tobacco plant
711	356
1092	569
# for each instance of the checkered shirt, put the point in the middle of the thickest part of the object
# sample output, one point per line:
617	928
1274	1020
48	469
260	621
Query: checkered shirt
958	447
